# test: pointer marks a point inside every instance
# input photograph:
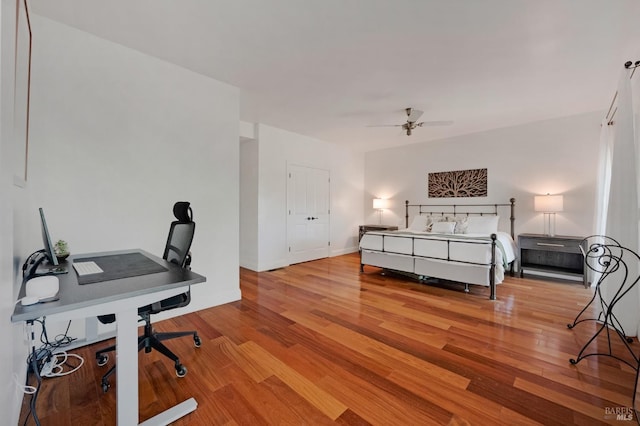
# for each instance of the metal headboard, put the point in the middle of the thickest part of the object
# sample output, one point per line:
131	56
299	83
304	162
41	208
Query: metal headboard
463	209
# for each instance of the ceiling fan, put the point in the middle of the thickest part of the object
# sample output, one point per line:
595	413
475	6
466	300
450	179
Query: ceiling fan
412	121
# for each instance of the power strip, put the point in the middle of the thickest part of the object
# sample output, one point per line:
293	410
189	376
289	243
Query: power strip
54	365
47	368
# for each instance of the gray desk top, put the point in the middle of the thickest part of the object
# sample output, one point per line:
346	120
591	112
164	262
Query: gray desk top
75	296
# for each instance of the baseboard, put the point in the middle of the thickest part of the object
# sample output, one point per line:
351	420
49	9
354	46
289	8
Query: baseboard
272	265
340	252
283	264
249	264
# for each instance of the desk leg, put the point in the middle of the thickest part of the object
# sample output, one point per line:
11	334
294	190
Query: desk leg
91	329
127	371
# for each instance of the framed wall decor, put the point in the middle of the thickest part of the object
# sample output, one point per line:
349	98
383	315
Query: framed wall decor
459	183
22	92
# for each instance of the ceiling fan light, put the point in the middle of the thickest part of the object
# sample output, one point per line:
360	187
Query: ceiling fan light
412	122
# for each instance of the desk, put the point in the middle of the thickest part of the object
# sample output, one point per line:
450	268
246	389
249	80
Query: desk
122	297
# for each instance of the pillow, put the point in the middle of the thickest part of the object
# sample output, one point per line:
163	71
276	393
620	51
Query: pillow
443	227
431	219
461	223
482	225
419	223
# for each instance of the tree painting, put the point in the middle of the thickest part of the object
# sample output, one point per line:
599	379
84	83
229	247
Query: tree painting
460	183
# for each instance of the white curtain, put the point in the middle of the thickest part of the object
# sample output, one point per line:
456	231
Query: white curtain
604	176
618	210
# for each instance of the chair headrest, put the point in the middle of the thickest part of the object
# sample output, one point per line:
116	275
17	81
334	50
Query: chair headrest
182	211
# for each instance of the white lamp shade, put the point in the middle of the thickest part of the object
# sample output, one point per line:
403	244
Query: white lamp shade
380	203
548	203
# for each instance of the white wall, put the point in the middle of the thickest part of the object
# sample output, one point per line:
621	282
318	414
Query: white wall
276	149
554	156
116	138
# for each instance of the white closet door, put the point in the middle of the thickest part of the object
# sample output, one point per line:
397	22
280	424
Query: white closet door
308	213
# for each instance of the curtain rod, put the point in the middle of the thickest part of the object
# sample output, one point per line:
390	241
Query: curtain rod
630	66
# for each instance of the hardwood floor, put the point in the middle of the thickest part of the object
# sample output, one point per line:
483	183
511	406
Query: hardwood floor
321	343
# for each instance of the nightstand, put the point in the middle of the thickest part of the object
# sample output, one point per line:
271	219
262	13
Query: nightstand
364	228
559	254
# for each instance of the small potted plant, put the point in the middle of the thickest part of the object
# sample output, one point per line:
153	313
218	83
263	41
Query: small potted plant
61	249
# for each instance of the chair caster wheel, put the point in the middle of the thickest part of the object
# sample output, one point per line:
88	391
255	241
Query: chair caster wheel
197	341
629	340
102	359
181	370
573	361
569	326
105	386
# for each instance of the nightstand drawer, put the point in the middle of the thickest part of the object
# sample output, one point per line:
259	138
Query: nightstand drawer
565	245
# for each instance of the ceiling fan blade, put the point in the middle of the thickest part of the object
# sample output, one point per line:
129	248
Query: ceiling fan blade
414	114
434	123
384	125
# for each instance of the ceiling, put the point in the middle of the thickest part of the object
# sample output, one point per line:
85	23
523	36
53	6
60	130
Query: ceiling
330	69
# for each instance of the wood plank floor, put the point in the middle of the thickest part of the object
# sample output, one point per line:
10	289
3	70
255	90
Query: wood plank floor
320	343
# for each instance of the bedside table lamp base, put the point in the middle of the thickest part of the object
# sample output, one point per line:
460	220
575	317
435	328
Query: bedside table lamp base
380	204
549	224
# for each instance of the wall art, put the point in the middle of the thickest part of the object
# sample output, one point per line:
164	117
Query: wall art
459	183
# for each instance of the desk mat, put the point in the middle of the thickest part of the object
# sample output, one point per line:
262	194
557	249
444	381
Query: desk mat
117	266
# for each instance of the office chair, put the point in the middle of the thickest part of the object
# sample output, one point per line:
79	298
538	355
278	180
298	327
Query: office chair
176	251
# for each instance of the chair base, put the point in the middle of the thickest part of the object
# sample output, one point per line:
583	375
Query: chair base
149	341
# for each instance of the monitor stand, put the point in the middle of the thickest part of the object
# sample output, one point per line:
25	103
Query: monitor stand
45	268
51	270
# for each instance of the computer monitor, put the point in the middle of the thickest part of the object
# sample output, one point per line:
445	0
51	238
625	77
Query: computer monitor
43	261
46	240
51	266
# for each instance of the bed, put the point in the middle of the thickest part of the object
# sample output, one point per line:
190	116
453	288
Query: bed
460	243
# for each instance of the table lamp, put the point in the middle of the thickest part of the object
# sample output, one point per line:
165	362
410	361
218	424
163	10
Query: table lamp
380	204
549	205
